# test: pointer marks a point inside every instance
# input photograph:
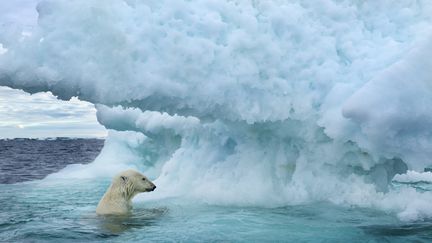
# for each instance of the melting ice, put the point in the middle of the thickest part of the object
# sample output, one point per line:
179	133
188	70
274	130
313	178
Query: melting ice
244	102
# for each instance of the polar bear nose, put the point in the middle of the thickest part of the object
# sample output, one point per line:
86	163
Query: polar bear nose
154	187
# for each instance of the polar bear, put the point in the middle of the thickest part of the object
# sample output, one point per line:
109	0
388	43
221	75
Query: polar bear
125	185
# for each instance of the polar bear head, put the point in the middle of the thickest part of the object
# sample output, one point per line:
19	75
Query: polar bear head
132	182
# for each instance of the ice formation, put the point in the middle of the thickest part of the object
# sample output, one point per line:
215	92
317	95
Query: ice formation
414	176
245	102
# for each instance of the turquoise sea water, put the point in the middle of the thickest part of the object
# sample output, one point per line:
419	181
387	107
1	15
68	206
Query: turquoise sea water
60	211
54	210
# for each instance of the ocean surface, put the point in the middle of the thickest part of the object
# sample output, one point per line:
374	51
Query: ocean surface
34	210
31	159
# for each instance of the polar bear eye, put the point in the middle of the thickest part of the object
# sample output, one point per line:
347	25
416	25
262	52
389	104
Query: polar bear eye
144	179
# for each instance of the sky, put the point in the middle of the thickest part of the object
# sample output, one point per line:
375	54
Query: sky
40	115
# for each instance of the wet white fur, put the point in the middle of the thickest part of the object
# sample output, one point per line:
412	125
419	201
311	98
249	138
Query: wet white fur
125	185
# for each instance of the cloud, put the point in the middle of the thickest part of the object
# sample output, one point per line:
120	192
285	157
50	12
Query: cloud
42	115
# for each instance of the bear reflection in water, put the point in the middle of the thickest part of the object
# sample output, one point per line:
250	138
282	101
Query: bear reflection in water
116	224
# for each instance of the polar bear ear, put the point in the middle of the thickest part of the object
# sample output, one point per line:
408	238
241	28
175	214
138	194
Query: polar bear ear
124	178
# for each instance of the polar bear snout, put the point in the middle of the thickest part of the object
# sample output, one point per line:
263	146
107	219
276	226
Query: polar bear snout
148	186
153	188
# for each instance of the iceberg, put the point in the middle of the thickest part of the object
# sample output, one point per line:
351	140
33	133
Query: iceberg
244	102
